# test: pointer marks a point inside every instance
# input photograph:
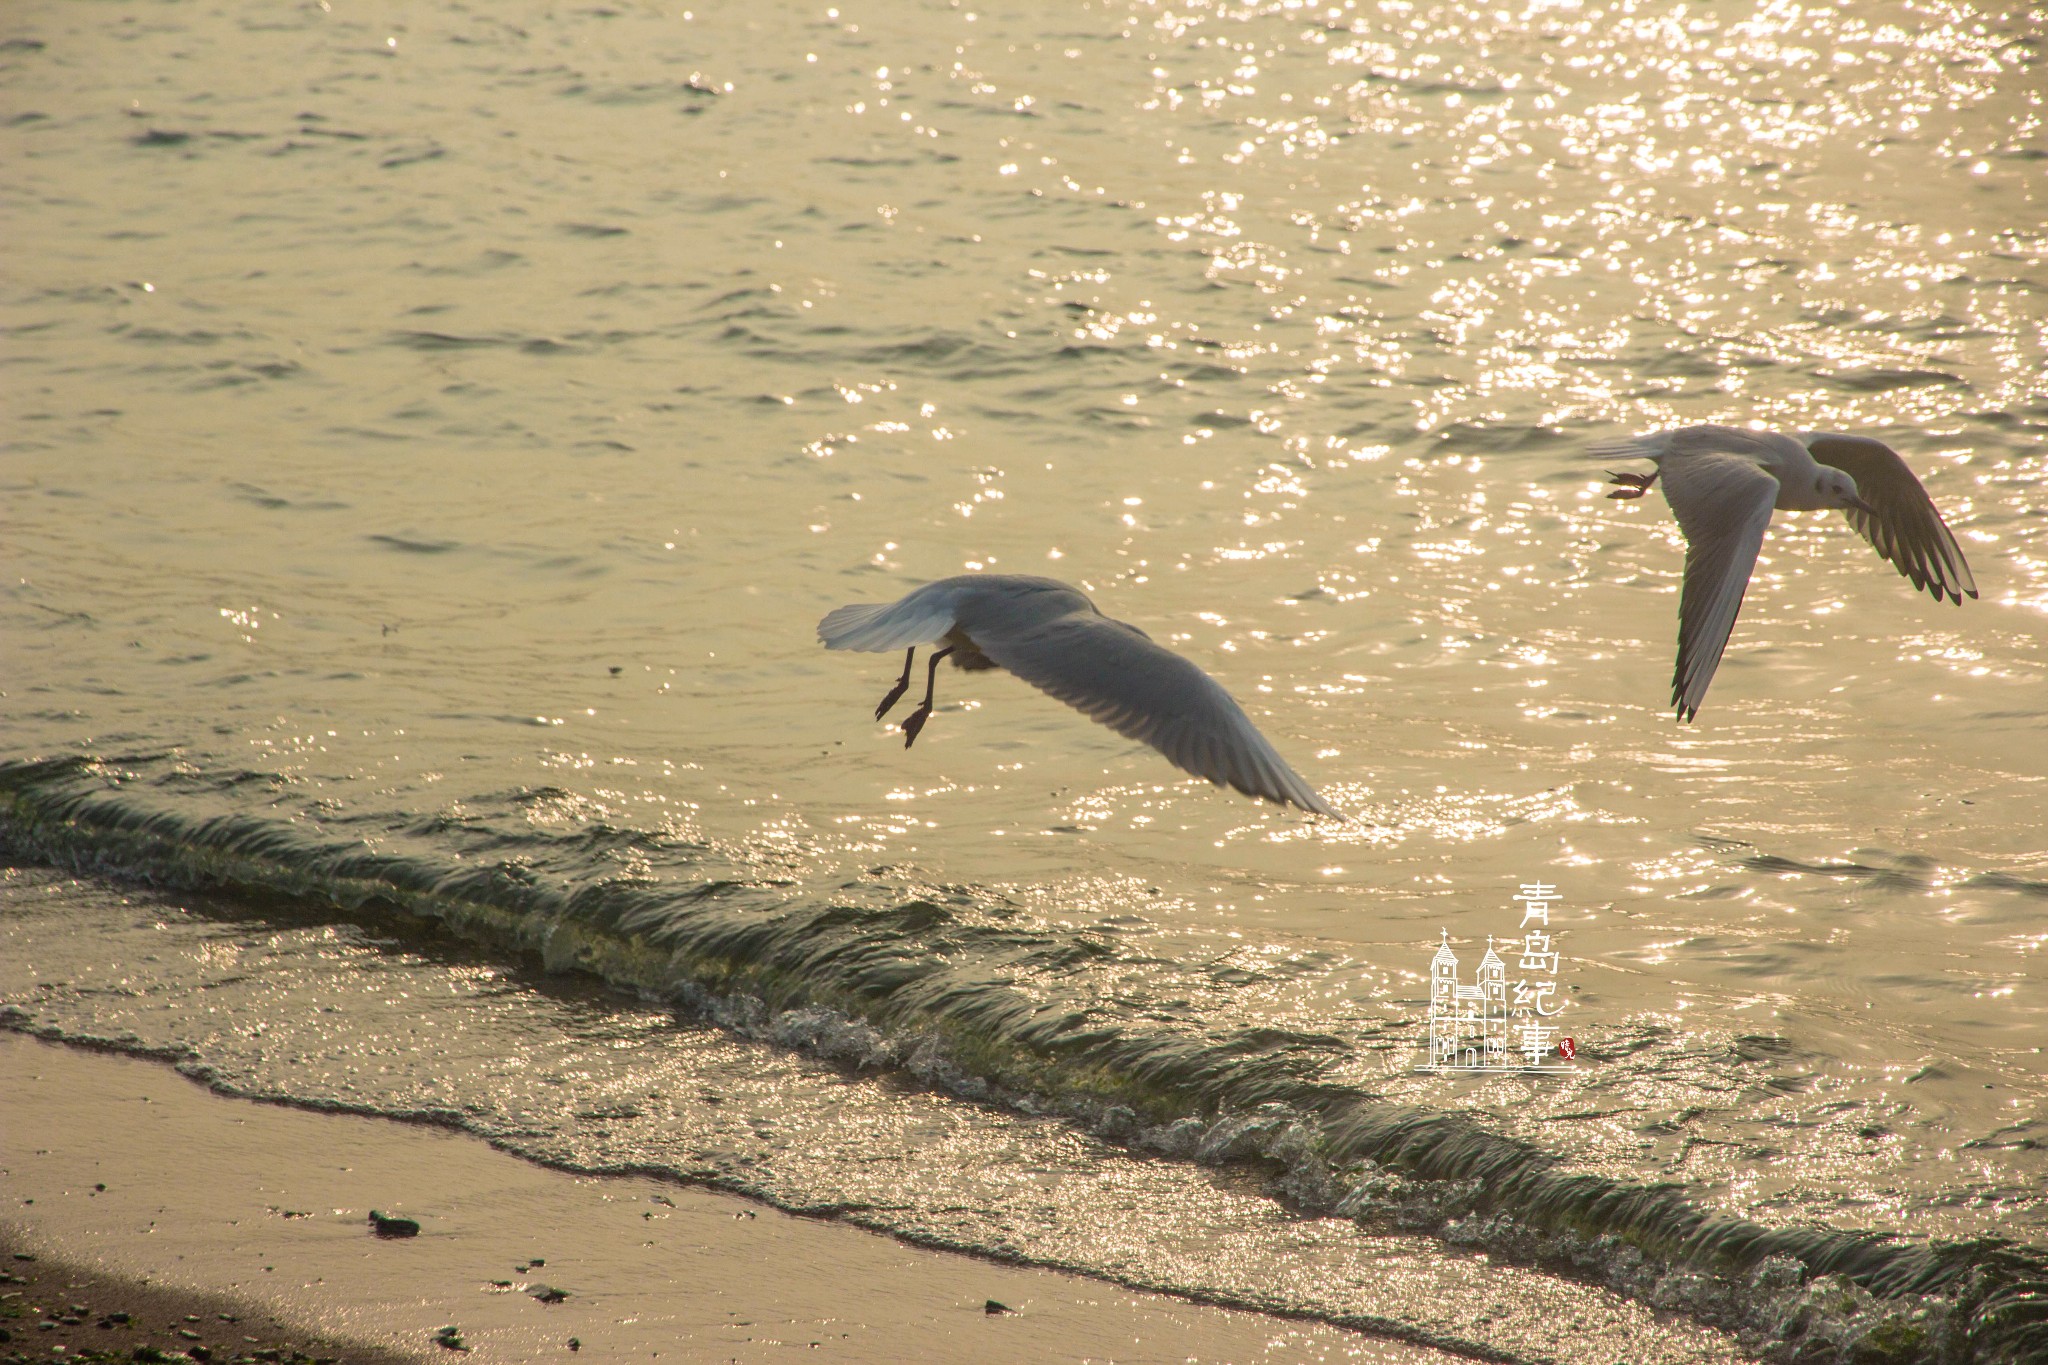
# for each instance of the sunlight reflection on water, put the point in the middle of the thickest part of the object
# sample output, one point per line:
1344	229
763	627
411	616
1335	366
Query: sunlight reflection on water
433	440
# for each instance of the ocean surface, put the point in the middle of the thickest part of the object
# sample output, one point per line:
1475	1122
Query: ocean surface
432	434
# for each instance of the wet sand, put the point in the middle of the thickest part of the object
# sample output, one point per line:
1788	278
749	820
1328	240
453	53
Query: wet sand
56	1310
139	1191
436	432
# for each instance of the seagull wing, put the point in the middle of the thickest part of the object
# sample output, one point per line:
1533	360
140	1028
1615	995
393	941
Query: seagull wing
1723	503
1907	530
1113	673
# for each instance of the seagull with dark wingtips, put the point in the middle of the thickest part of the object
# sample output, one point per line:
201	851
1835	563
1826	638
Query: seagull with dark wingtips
1052	636
1723	483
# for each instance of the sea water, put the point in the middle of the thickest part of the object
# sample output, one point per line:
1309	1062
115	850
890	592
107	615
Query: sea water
432	436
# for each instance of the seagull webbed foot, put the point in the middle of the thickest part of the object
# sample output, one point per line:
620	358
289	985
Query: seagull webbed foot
917	718
1633	485
915	722
902	685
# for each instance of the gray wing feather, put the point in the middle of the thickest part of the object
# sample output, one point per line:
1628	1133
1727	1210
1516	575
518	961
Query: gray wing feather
1723	503
1908	529
1112	673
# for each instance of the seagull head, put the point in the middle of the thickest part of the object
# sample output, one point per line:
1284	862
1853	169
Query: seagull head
1838	485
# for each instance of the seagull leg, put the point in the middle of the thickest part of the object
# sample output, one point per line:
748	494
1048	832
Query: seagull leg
902	684
917	718
1633	485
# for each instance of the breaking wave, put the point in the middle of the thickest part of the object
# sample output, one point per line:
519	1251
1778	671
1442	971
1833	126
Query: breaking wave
943	989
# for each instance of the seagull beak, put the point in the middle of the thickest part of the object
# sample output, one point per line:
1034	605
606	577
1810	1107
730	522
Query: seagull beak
1856	502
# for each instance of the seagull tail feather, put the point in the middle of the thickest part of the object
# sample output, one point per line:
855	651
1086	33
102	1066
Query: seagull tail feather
872	627
1630	447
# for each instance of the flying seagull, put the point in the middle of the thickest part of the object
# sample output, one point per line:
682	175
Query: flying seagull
1722	484
1051	636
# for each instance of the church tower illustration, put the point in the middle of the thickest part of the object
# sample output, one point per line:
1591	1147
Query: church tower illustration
1468	1025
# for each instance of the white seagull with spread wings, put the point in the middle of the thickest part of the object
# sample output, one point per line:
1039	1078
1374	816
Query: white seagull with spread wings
1723	483
1052	636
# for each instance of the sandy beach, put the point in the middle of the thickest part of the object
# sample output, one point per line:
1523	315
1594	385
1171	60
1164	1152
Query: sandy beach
137	1176
435	436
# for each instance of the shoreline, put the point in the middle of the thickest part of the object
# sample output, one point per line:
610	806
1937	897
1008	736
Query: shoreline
126	1178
